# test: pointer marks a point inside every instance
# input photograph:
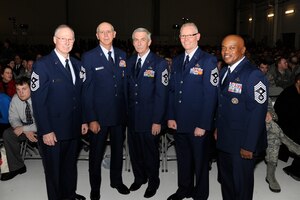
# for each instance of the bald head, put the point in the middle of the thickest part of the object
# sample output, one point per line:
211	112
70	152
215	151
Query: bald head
104	24
233	49
105	33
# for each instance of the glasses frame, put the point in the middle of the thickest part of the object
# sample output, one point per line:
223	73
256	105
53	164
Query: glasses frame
187	36
64	40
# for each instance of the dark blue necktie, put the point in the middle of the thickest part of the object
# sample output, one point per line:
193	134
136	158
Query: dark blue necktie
138	67
67	66
226	75
110	59
186	62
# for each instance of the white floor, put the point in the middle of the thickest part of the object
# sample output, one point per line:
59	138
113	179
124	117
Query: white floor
31	185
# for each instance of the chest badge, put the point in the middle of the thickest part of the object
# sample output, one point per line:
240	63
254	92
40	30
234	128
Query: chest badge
235	87
234	100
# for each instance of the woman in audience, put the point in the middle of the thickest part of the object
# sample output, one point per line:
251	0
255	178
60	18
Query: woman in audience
7	84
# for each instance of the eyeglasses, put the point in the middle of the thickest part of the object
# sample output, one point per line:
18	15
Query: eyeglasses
187	36
105	32
64	40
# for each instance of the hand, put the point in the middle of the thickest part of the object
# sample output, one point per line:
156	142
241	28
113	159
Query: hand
198	132
155	129
216	134
246	154
172	124
31	136
94	126
18	130
268	117
49	139
84	129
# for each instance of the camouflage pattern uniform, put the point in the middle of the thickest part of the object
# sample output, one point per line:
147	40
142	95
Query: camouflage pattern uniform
275	137
281	80
274	141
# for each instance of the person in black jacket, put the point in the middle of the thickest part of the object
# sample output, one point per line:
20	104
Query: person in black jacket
287	107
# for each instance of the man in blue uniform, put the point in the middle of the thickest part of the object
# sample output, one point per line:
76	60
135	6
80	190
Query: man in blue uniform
56	84
105	107
241	117
147	91
192	102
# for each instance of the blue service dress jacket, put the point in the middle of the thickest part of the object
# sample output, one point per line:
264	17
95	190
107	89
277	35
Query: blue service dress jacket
243	103
104	88
56	101
193	92
147	93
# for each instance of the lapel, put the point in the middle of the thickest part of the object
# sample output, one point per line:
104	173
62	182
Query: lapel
60	67
104	62
145	65
76	69
234	76
132	67
193	61
116	66
222	72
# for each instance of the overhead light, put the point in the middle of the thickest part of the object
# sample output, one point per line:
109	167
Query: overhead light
250	19
289	11
271	15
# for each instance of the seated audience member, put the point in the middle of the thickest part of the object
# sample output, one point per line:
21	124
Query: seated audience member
7	84
28	68
6	51
281	73
275	135
264	67
22	128
4	105
275	138
11	64
19	69
287	107
294	66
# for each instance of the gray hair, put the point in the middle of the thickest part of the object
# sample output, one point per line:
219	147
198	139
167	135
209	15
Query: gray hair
142	30
61	27
189	24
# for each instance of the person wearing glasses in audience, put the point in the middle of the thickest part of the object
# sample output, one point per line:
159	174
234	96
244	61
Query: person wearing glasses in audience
56	93
106	107
192	103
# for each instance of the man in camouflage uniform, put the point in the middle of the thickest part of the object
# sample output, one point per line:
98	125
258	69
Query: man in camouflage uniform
281	73
275	137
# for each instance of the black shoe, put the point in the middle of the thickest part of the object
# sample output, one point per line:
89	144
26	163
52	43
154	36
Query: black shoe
12	174
122	189
79	197
290	172
95	195
135	186
149	193
175	197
